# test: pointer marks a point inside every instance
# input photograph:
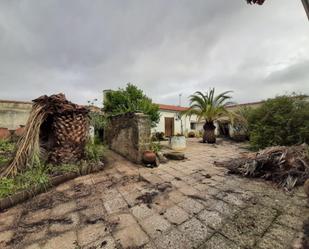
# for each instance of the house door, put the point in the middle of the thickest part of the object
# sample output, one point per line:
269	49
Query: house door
169	127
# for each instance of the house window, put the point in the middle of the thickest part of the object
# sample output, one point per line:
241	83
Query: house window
193	126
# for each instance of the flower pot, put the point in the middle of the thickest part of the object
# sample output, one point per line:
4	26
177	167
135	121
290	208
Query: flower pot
149	157
19	131
4	133
178	142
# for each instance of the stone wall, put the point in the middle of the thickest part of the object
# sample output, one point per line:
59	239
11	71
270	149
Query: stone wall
13	114
129	135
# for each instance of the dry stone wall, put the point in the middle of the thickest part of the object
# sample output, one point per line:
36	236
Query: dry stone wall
129	135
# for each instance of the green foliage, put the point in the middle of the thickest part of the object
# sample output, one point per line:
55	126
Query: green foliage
7	187
130	99
6	151
155	147
3	160
283	120
36	176
97	120
33	177
94	151
63	168
208	106
6	146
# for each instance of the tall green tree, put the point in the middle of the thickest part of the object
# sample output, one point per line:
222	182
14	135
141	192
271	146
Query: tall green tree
130	99
209	108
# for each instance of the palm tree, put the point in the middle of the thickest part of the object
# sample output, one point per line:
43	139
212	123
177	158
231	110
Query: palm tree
208	107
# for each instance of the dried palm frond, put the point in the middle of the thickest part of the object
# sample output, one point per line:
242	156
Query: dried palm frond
56	131
286	166
28	147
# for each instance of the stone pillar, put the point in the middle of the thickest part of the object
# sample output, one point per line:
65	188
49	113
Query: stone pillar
129	135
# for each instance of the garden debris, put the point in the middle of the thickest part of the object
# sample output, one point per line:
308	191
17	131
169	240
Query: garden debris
164	187
56	131
147	198
286	166
174	155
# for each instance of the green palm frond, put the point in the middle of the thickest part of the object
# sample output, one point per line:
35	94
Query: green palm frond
209	106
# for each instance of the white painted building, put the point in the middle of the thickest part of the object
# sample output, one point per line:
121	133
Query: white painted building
173	123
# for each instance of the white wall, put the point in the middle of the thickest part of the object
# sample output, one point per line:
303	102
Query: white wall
14	113
177	122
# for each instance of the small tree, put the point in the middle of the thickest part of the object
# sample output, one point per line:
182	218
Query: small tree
209	108
283	120
131	99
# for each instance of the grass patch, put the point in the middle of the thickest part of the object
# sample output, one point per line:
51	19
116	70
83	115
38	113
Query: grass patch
63	168
7	146
37	173
7	149
94	151
34	177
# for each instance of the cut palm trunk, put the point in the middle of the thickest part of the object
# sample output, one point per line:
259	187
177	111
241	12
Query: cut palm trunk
56	132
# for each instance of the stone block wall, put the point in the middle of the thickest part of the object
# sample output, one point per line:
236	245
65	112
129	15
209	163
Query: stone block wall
129	135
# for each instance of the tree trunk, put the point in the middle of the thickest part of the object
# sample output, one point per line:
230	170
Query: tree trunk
209	133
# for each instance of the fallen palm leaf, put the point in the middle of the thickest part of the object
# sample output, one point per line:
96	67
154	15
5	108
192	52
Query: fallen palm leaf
286	166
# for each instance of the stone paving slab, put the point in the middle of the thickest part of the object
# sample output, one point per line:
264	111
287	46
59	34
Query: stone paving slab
184	204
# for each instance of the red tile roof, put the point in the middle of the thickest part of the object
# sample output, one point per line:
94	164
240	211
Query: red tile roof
172	108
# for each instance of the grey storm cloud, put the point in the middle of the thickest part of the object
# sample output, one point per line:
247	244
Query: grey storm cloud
165	47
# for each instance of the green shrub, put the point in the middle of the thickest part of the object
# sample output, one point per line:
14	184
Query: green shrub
283	120
131	99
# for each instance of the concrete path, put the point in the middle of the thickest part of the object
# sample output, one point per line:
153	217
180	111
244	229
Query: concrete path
187	204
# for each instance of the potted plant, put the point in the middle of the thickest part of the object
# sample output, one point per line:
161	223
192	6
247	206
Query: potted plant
150	156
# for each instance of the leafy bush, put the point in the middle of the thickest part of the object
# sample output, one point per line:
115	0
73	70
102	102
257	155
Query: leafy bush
130	99
283	120
97	120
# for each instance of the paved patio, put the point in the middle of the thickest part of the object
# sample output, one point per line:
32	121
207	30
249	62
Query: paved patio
187	204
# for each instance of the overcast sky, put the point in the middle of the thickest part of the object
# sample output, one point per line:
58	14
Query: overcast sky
165	47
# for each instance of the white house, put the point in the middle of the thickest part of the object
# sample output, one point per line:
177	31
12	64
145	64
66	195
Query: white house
173	123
